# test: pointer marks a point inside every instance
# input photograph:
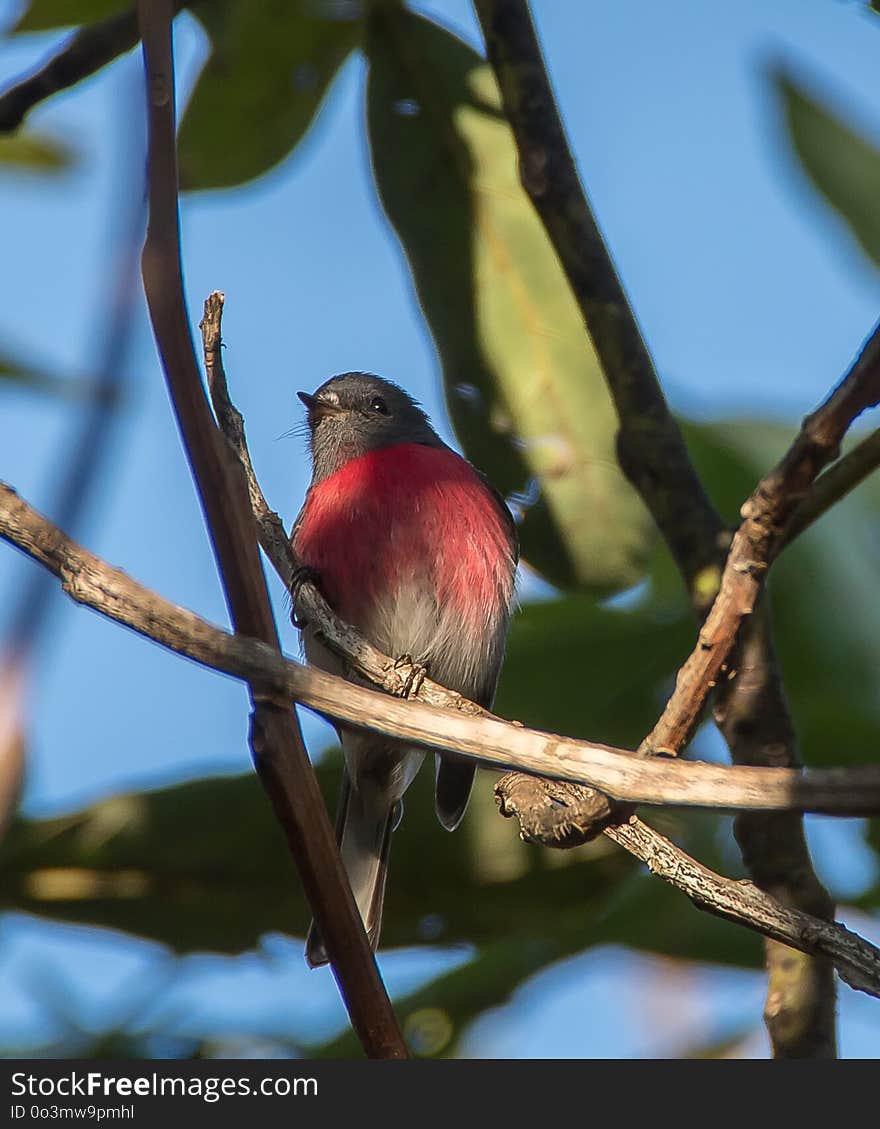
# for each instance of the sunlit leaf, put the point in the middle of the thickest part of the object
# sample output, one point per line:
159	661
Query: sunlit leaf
523	383
43	15
271	64
842	163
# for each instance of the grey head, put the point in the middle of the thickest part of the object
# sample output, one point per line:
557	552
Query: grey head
357	412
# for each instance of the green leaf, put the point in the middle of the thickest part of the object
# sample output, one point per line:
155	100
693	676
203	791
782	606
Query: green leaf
523	383
44	15
203	866
592	906
196	866
32	152
844	165
14	372
272	63
571	667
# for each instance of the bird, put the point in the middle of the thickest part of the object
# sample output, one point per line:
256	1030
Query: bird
410	544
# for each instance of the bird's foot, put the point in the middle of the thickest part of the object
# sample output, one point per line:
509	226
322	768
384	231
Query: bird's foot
303	574
412	675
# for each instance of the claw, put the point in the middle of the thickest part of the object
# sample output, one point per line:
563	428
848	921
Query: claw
414	676
304	574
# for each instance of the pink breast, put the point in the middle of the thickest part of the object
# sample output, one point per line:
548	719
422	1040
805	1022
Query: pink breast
402	516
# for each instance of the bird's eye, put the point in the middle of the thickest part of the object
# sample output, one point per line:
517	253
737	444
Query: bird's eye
377	404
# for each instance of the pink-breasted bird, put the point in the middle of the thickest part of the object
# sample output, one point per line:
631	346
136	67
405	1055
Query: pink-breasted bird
411	545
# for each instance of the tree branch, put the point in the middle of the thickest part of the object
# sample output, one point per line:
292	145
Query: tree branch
744	903
835	791
759	539
95	584
650	446
85	52
276	742
828	489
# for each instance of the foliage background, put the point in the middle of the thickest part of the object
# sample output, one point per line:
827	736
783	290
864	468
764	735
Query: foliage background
167	922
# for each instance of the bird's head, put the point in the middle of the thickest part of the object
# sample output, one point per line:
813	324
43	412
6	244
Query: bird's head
357	412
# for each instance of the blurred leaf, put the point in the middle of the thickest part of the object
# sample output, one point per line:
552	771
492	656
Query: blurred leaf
843	164
571	667
43	15
635	910
523	383
272	62
15	372
165	865
489	980
28	152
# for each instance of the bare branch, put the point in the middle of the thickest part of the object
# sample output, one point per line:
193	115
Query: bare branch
828	489
276	742
744	903
94	584
758	540
109	591
618	772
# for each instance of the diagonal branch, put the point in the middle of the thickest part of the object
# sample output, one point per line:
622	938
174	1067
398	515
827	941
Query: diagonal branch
93	583
744	903
651	449
85	52
488	739
276	742
397	677
759	539
828	489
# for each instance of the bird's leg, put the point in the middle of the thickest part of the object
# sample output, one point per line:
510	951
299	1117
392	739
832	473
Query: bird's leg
303	574
412	674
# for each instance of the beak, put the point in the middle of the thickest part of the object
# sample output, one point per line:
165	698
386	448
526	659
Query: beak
316	407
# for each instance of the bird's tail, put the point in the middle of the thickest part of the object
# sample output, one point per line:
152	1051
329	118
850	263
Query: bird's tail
364	823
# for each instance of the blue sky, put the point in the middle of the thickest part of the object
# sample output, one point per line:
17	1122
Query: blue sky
750	293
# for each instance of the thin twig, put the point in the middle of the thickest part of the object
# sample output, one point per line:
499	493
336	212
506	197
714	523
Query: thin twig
276	742
744	903
838	481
